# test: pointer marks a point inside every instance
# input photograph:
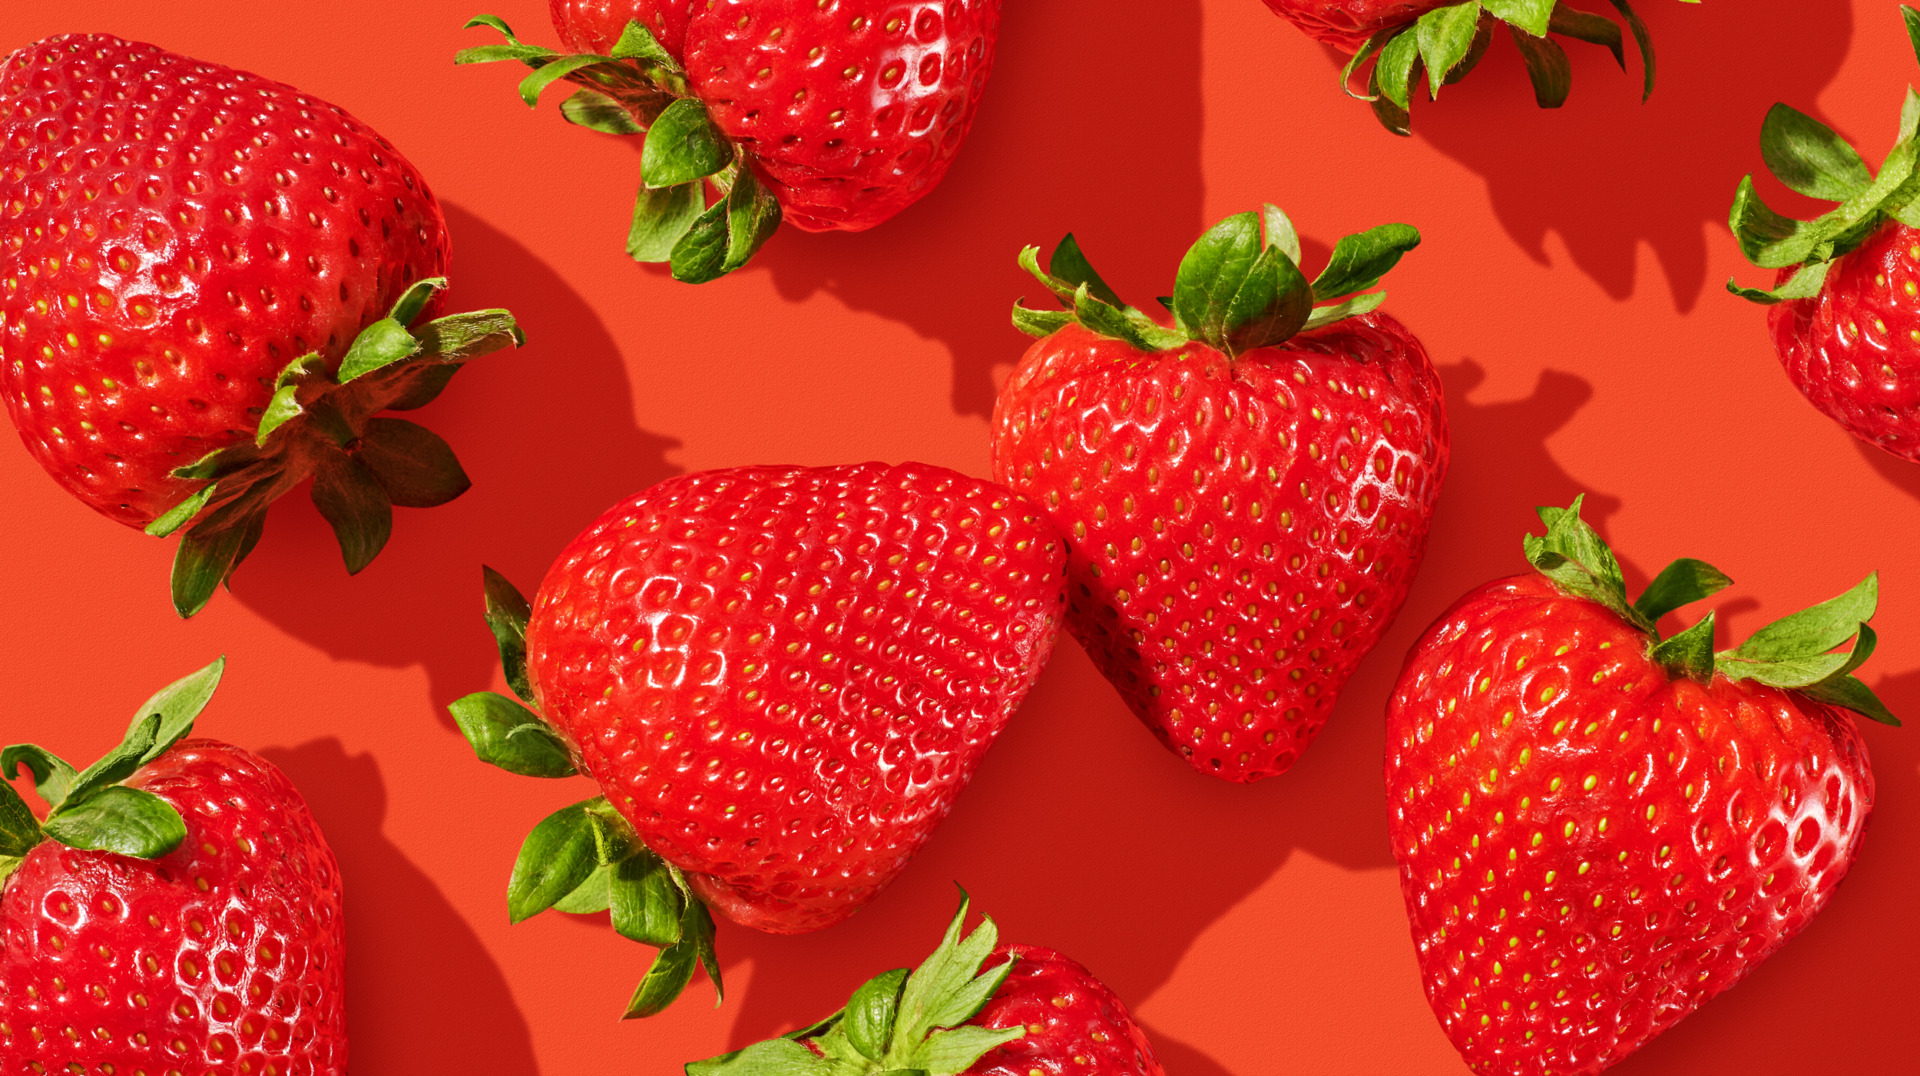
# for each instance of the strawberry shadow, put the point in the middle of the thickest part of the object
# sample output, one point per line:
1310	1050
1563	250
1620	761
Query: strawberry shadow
1608	174
548	437
423	994
1901	474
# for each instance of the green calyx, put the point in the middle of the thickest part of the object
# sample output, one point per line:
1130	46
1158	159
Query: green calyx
896	1023
584	858
1443	45
90	809
1795	652
1811	159
640	89
1234	291
328	426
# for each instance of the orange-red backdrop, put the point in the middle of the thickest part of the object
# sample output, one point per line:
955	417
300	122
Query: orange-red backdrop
1569	289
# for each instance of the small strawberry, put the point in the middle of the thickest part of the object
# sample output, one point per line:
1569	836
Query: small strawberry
830	114
1245	497
1846	301
1598	829
188	253
177	912
972	1007
780	678
1445	41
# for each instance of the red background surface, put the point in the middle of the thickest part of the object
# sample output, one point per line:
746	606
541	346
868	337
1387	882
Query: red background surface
1569	289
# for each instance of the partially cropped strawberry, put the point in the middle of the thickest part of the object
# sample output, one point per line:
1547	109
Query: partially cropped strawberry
206	283
973	1008
1598	829
1846	301
829	114
177	911
780	677
1245	496
1437	42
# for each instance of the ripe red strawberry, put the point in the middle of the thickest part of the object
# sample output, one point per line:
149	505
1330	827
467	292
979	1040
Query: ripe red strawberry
188	254
780	677
1846	301
1599	830
177	912
1439	42
830	114
1245	497
972	1007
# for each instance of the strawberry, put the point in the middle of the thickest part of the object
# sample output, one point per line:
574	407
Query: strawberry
971	1007
1846	300
1445	41
830	114
177	912
1598	829
188	255
1245	496
780	678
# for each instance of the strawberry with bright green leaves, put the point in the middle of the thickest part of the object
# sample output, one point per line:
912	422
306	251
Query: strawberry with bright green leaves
1600	829
1437	42
1245	494
972	1008
826	114
780	677
1845	314
176	910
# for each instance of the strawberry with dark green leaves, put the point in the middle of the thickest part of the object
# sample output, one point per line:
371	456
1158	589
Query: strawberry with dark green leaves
1245	494
1600	829
780	677
1845	304
827	114
972	1008
176	911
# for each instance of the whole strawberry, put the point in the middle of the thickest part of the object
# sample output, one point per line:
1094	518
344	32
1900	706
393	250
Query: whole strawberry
206	283
1598	829
1246	496
1846	301
972	1007
830	114
1436	42
780	678
177	912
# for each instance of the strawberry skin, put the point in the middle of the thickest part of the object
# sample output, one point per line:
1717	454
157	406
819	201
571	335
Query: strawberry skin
1591	847
1346	24
175	233
1240	533
781	677
1074	1023
224	955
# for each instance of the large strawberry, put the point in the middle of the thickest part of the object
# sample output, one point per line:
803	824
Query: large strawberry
1245	496
176	912
830	114
206	286
1846	301
1598	829
780	677
1439	41
972	1007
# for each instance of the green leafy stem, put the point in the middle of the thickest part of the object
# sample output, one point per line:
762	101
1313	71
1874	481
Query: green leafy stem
638	88
1797	652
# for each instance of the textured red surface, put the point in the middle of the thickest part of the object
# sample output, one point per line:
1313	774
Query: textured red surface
1074	1023
1346	24
1568	292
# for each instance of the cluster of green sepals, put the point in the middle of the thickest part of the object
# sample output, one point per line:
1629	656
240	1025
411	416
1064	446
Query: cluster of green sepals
583	858
328	425
1810	158
1448	42
1234	291
896	1024
640	89
1796	652
90	809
